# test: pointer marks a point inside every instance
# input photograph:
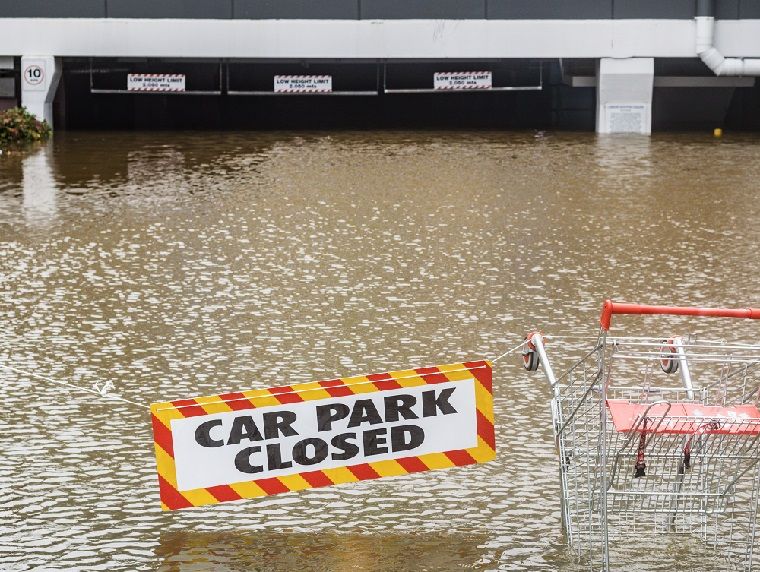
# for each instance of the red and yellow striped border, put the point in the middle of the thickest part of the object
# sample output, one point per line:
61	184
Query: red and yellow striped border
163	413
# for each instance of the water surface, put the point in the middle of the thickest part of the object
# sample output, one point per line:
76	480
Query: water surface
178	264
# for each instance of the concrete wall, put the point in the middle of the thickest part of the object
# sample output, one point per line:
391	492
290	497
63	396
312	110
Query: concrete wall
374	9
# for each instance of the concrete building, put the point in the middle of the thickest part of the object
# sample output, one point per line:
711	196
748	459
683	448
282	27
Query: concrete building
616	65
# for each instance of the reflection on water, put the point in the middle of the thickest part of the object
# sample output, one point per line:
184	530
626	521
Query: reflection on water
624	161
39	186
286	551
184	264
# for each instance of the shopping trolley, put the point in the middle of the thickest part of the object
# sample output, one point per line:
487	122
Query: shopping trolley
656	435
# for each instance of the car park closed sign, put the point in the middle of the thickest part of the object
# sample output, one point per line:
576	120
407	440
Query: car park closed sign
268	441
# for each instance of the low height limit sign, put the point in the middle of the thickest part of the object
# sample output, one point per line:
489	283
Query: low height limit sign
268	441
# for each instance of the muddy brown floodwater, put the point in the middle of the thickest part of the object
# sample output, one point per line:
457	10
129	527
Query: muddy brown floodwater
179	264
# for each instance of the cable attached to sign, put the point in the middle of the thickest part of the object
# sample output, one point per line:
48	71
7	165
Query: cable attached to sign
513	350
102	391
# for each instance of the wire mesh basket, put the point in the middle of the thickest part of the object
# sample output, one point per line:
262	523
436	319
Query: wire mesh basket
656	435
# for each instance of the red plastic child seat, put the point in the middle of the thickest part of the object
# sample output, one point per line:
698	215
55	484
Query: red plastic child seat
684	418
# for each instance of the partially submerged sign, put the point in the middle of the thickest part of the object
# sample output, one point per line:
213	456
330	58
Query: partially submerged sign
268	441
155	82
462	80
302	83
626	118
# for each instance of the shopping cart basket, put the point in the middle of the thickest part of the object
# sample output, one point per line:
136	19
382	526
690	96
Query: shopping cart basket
656	435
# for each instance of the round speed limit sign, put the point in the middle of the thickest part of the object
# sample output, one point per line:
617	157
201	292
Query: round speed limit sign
34	75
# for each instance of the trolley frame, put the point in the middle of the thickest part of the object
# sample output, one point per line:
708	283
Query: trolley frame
704	469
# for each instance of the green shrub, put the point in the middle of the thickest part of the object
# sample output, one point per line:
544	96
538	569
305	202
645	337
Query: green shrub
18	126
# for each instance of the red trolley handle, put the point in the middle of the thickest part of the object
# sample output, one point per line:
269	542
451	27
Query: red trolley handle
609	308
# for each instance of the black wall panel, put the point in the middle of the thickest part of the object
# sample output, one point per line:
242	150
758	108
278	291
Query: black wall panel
727	9
52	8
435	9
169	8
749	9
549	9
674	9
304	9
374	9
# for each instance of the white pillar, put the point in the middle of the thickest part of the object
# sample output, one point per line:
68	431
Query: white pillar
39	80
40	196
624	95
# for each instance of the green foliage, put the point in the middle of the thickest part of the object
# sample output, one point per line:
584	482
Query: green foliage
18	126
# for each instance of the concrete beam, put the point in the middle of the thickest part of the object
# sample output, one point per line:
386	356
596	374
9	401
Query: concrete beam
39	81
673	81
624	95
370	39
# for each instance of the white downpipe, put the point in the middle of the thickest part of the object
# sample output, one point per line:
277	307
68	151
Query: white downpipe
713	59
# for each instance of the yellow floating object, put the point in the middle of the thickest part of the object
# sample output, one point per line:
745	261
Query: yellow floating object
717	132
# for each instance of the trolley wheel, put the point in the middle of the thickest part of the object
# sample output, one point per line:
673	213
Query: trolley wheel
668	360
530	360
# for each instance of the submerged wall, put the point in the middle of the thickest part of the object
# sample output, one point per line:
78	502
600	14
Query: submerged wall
557	105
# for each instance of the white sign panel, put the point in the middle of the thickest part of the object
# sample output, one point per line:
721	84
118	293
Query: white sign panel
463	80
627	118
230	447
34	75
155	82
302	83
